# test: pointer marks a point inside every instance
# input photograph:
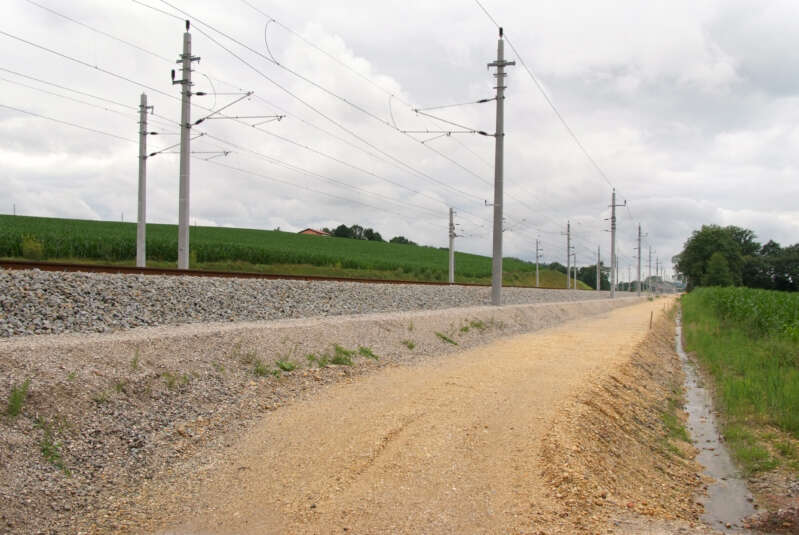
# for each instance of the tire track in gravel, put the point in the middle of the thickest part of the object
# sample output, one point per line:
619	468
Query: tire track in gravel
446	446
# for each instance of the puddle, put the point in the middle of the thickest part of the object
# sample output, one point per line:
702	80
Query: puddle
728	500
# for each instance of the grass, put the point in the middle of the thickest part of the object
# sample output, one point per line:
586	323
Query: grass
743	339
410	344
50	448
262	370
367	353
444	338
342	356
230	249
173	380
478	324
673	424
286	365
16	398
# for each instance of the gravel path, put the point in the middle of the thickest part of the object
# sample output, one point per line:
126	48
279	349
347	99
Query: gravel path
37	302
450	446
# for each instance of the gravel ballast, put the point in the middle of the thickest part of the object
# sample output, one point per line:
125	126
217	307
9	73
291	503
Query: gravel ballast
39	302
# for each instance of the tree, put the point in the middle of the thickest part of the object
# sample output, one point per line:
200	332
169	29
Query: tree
401	239
717	272
342	231
728	241
356	232
556	266
371	235
587	274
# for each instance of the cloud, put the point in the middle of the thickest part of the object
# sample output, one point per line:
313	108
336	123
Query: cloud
687	107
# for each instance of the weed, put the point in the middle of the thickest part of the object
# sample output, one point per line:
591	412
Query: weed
478	324
100	397
170	379
50	448
675	428
286	365
220	368
321	361
120	386
341	356
410	326
134	362
465	329
750	452
786	449
409	344
260	369
32	249
17	397
367	352
446	338
71	376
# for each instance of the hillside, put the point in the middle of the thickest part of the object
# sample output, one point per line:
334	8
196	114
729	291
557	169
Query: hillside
265	251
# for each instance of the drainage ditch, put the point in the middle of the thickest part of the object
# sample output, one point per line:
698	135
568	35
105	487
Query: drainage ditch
728	500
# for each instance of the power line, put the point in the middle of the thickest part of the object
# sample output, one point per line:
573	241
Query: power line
101	32
68	123
327	178
89	65
299	186
549	100
310	106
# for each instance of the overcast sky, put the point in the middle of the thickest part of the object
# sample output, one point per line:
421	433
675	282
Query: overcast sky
688	107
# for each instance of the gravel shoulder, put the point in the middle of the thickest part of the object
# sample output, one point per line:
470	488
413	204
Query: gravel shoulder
106	412
496	439
37	302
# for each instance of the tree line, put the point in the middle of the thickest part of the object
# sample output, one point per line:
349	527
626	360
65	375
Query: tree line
731	256
357	232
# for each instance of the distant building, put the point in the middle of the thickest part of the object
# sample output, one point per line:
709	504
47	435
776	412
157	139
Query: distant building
313	232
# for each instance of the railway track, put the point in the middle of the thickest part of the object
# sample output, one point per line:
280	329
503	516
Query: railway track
130	270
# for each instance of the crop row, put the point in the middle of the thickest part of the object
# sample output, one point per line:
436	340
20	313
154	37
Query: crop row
43	238
761	312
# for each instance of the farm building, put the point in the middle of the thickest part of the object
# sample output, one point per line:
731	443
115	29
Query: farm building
313	232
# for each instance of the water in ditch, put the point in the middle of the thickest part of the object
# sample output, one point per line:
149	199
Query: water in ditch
728	500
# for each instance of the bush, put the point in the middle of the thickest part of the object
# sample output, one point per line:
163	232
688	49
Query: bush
32	249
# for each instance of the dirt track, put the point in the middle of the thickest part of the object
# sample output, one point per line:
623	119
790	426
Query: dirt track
444	447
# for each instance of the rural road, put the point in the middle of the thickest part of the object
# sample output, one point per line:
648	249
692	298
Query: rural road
448	446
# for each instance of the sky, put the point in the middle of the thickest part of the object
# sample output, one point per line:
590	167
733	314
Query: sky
688	109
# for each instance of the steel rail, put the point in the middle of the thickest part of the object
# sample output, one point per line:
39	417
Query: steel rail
131	270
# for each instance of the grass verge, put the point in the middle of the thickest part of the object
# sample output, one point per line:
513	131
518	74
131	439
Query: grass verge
754	366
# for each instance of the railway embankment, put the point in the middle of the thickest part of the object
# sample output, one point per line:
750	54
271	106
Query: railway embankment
99	413
42	302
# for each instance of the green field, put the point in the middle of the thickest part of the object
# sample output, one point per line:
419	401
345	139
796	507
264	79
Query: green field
748	341
38	238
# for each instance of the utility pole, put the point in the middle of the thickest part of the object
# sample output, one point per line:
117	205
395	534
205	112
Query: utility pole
638	282
141	224
568	253
629	278
451	247
598	277
185	60
657	272
574	256
537	258
613	275
499	135
649	270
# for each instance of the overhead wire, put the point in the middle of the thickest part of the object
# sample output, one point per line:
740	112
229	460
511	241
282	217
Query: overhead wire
68	123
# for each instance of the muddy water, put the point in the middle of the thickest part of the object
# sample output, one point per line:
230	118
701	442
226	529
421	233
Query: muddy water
728	500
